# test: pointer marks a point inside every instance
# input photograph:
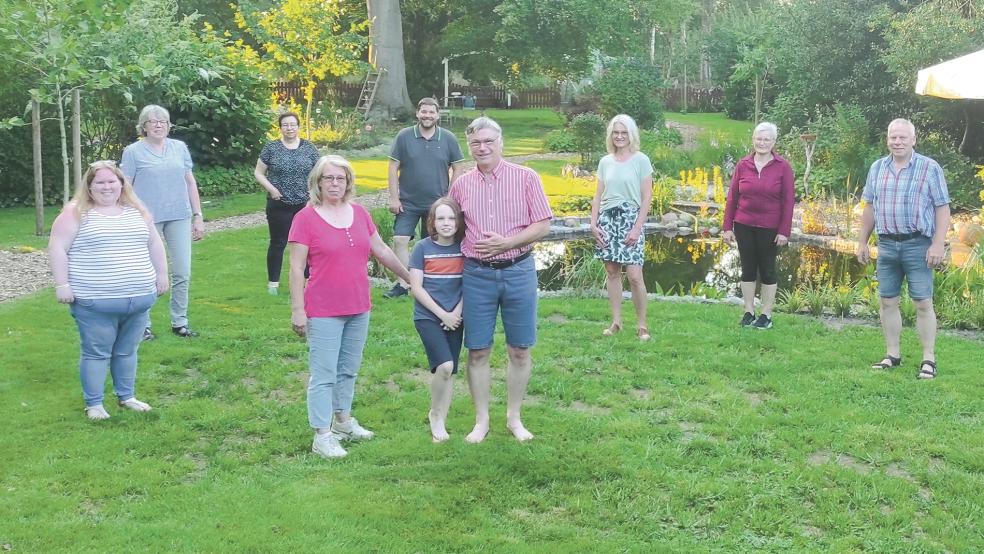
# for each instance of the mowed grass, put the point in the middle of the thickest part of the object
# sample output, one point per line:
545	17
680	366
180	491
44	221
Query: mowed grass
716	125
709	438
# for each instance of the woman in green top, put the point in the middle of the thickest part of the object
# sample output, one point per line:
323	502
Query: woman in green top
618	212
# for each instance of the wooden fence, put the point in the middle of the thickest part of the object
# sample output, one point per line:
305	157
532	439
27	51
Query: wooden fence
698	99
344	94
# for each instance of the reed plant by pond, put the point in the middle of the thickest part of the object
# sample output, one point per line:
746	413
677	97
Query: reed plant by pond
708	438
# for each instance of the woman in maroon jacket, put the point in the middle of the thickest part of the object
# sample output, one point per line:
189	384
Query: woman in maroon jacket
759	215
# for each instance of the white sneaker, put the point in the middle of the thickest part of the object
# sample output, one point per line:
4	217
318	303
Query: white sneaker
351	430
96	413
326	445
135	405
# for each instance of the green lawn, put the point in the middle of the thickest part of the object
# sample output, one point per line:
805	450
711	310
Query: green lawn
522	130
716	125
709	438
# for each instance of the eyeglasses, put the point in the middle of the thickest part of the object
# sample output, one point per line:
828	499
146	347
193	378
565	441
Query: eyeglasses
110	163
289	126
478	143
158	122
333	179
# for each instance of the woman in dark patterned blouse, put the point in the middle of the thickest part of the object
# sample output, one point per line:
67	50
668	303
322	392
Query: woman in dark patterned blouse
283	170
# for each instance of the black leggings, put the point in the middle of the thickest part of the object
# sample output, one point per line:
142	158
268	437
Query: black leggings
279	218
757	249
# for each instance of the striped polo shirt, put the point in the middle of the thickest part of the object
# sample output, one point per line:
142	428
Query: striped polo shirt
110	256
506	202
906	201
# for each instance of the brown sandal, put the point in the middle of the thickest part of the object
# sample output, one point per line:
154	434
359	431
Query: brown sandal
615	328
643	334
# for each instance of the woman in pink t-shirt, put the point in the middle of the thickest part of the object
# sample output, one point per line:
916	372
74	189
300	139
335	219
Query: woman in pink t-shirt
334	238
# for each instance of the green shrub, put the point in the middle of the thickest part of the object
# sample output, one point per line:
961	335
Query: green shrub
384	226
960	172
588	130
223	181
572	204
559	140
667	136
631	87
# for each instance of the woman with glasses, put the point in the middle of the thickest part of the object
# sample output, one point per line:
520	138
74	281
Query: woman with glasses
109	267
334	238
618	214
283	169
160	170
759	216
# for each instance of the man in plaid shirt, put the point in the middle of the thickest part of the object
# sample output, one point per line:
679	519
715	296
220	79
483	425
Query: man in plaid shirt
908	206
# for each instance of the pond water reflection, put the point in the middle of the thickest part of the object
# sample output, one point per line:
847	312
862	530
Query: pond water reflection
682	264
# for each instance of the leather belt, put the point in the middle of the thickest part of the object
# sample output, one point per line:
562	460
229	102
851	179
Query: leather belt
900	237
501	264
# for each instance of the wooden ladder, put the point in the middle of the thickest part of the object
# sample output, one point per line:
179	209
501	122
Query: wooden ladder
368	93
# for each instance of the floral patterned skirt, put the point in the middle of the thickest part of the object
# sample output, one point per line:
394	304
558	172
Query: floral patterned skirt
616	222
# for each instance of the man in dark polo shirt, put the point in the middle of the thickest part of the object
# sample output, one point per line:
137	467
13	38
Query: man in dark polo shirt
418	175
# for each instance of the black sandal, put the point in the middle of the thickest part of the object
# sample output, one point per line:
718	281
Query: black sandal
924	373
888	362
184	332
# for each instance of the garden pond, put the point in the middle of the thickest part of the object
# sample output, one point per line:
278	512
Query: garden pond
698	266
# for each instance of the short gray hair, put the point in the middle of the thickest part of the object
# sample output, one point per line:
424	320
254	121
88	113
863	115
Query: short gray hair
768	127
314	178
902	121
482	123
149	111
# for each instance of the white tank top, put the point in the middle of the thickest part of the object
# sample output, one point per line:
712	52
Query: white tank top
110	257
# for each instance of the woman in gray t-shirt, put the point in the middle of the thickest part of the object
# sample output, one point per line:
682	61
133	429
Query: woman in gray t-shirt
160	170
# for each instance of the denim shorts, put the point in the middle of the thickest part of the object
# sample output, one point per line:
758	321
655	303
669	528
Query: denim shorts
897	259
486	291
405	223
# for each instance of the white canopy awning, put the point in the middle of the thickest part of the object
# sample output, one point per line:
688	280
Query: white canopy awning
959	78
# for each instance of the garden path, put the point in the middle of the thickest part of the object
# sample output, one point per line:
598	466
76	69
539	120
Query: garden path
689	133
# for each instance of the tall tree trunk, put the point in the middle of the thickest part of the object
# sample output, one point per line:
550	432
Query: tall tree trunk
76	138
38	181
386	55
63	135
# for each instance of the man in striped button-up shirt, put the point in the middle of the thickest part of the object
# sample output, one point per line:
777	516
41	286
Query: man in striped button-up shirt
505	211
907	204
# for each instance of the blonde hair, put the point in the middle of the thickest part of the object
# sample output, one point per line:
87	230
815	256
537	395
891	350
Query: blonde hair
83	193
635	143
315	176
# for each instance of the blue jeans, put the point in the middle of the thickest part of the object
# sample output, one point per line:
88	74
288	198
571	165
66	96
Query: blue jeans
177	239
111	330
335	346
897	259
487	291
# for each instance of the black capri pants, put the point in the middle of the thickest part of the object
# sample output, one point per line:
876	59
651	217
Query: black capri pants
279	217
757	250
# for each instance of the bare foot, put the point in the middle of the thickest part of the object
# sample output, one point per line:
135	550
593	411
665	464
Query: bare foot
438	432
519	431
478	434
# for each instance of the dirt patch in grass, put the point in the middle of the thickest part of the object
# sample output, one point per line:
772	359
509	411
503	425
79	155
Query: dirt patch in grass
592	409
844	460
641	394
688	431
756	398
895	470
558	318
